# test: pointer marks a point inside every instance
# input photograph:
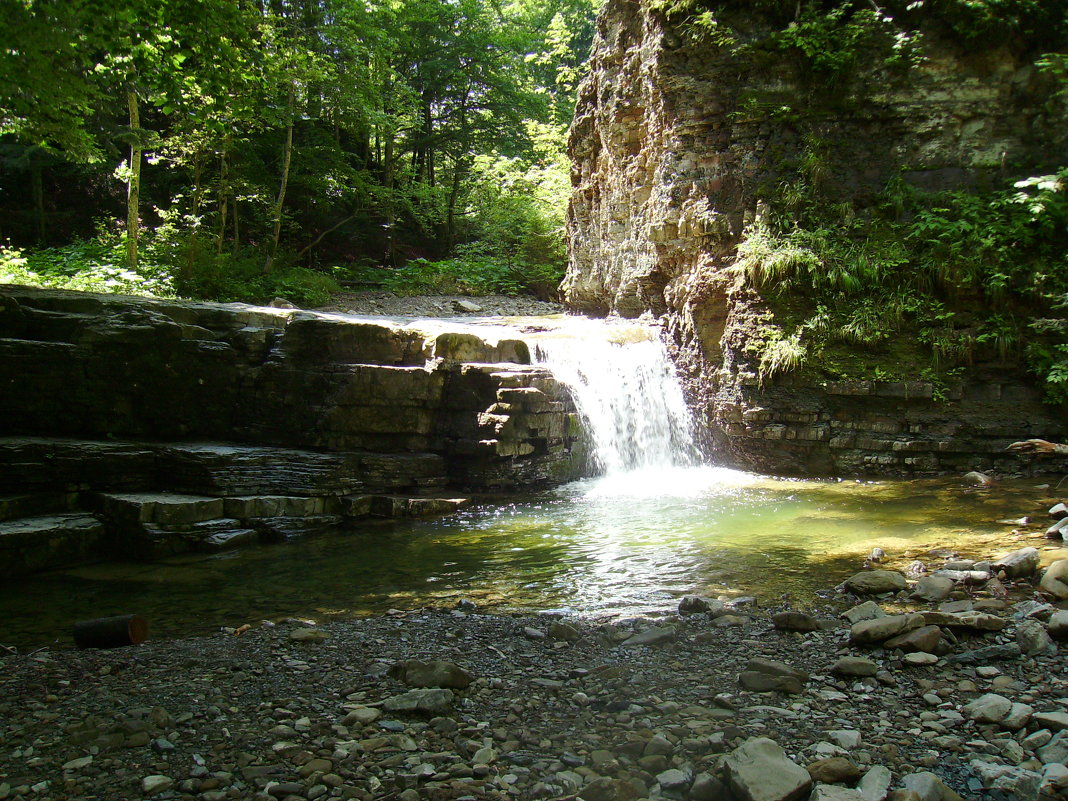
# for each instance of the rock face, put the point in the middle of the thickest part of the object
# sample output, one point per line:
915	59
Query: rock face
152	427
673	142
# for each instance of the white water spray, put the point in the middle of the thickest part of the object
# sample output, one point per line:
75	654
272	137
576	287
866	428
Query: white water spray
627	393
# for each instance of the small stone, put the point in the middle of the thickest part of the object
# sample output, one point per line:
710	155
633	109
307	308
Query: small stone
307	634
1054	721
1032	638
152	785
759	770
1058	624
920	659
78	764
925	638
845	738
834	770
875	784
559	630
758	682
658	745
854	666
795	621
467	306
1019	563
436	673
427	701
654	635
929	787
674	779
869	610
989	708
1019	716
932	589
875	582
1055	580
872	632
694	605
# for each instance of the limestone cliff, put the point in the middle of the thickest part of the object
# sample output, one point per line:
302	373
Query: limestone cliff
678	136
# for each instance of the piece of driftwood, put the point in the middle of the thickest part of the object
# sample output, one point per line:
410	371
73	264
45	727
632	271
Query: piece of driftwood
111	632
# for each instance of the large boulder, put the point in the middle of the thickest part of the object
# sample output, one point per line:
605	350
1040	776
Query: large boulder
759	770
1058	624
1019	563
873	632
1055	580
925	638
989	708
437	673
875	582
932	588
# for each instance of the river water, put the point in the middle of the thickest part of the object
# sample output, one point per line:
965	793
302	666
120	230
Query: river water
655	524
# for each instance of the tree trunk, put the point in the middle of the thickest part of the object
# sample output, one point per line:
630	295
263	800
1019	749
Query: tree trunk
287	159
193	252
38	202
224	195
237	228
133	186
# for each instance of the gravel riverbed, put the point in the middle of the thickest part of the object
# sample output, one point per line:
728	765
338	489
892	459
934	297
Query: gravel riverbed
545	707
379	302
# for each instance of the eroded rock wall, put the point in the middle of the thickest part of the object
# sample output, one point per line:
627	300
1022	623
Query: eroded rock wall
184	425
672	142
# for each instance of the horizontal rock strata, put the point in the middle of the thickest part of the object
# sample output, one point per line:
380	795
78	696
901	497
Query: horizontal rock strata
284	421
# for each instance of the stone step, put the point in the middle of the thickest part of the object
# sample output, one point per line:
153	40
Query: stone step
37	543
41	463
36	504
160	508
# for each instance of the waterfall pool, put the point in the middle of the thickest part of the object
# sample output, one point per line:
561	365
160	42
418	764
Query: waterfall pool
618	546
655	525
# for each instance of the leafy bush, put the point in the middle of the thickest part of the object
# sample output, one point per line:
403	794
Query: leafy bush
91	266
468	274
906	267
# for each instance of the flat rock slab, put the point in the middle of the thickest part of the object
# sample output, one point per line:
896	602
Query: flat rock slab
167	509
759	770
36	543
425	701
872	632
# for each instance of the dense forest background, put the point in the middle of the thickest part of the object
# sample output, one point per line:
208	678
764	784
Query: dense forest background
243	149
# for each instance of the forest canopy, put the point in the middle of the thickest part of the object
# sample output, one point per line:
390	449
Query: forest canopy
240	149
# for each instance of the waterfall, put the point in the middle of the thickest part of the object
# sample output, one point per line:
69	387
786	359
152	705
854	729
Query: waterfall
627	393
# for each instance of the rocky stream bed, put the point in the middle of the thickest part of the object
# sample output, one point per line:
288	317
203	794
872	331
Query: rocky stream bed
949	686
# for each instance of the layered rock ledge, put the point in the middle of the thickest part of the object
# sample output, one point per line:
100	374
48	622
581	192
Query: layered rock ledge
149	427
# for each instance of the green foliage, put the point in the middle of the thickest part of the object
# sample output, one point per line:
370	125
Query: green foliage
469	274
323	129
916	264
92	266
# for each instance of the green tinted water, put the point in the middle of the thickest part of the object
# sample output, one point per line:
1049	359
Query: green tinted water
618	546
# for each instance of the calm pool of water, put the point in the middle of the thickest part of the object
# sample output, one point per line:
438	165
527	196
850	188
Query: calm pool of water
619	546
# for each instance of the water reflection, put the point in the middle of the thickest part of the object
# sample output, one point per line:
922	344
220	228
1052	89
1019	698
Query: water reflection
625	544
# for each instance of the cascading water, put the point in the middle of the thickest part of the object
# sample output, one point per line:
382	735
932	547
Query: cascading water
627	393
